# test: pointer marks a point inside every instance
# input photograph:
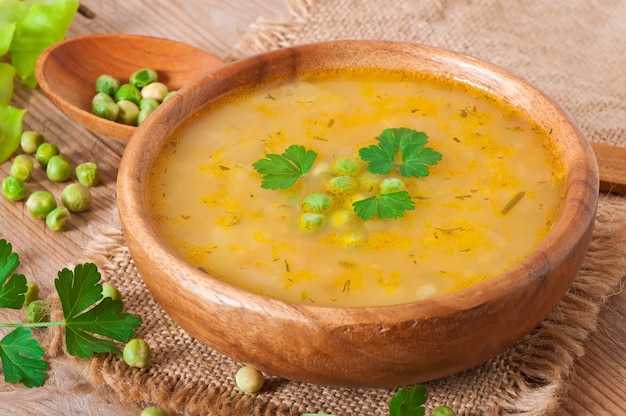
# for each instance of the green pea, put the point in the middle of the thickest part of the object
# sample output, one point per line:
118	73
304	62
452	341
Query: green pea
59	219
148	103
129	112
128	92
155	90
30	141
13	189
311	221
107	84
40	203
103	106
389	185
443	411
143	77
143	114
154	411
22	168
249	379
88	174
76	197
316	203
341	184
137	353
348	166
32	292
59	168
44	152
168	96
38	311
110	291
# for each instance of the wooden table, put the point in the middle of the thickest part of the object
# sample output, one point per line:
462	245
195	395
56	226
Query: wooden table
598	386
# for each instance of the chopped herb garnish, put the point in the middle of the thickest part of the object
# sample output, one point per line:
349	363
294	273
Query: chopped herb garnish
282	171
516	198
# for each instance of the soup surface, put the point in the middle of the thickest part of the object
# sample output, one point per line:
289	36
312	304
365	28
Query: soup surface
487	203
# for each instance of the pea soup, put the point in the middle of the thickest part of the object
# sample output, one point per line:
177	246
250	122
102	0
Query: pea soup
489	188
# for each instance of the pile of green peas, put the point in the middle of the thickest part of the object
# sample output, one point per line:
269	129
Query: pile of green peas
129	103
75	197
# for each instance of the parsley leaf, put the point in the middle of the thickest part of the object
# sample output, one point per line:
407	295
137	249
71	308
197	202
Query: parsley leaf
21	358
11	291
390	205
400	148
92	323
282	171
408	402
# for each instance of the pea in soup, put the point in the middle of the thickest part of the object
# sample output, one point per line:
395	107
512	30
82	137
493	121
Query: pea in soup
483	205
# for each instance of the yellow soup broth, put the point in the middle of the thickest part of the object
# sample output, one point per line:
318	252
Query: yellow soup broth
483	207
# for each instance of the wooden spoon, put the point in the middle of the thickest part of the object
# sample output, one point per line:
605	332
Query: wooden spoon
611	166
67	71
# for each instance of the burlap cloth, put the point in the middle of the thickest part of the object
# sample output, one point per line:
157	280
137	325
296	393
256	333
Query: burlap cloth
573	50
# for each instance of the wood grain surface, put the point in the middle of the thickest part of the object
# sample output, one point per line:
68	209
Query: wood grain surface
598	385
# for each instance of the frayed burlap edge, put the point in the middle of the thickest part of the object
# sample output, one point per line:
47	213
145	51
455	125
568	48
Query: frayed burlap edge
265	35
544	359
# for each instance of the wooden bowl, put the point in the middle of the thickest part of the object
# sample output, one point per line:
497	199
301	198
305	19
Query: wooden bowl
67	71
369	346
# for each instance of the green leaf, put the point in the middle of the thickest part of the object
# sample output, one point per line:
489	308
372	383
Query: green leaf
7	72
92	323
21	358
400	148
282	171
416	158
381	158
12	11
12	290
45	24
390	205
408	402
401	137
10	130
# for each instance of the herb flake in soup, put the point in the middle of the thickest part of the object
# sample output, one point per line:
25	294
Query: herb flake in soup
344	221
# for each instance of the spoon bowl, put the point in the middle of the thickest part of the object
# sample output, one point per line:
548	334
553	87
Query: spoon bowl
67	71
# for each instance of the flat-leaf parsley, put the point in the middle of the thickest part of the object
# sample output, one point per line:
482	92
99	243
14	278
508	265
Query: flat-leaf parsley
11	290
282	171
391	205
400	148
92	323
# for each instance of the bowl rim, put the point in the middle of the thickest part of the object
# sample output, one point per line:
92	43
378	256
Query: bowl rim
583	198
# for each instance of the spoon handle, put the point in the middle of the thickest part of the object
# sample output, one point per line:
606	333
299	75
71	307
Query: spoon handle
612	167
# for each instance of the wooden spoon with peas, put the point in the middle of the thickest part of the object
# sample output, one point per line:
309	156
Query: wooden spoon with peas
67	71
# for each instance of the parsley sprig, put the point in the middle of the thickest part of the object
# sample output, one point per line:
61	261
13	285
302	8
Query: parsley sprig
282	171
400	148
92	323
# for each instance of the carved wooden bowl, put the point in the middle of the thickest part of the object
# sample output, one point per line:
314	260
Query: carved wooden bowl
369	346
